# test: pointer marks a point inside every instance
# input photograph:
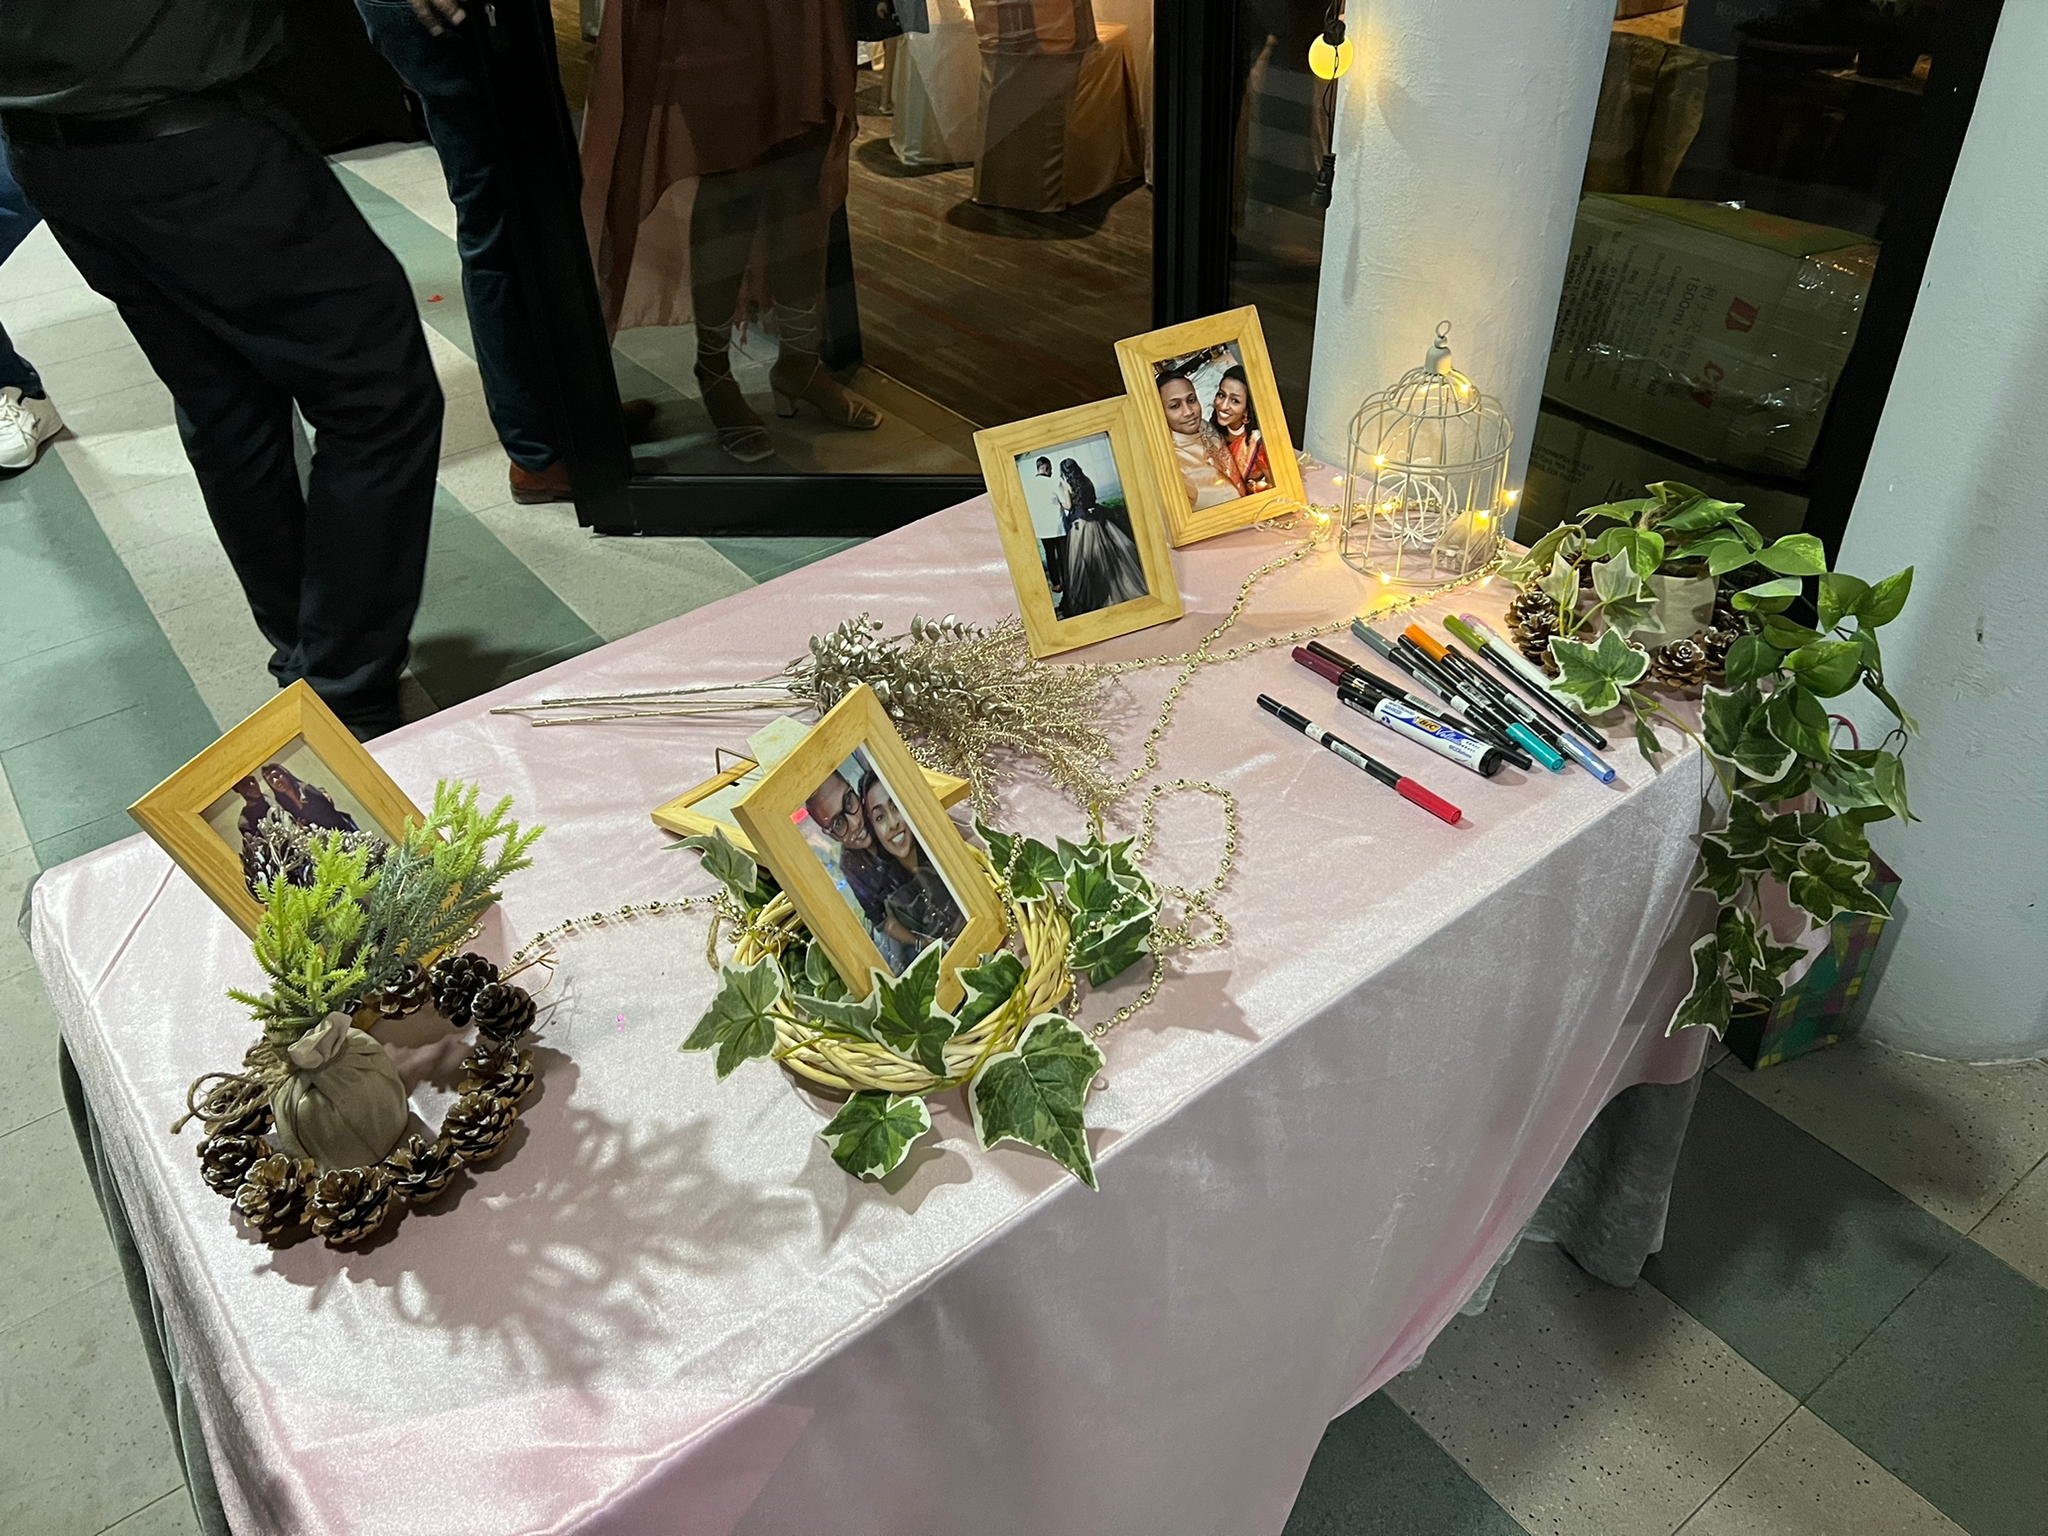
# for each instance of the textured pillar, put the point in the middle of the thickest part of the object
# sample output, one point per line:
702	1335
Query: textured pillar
1461	139
1954	489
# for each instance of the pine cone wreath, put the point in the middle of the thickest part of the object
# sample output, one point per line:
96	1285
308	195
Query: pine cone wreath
1532	620
503	1011
1681	664
409	993
477	1125
225	1160
275	1193
454	983
421	1170
498	1068
349	1204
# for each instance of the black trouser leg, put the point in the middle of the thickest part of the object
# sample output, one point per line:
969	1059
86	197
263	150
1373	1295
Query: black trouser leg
251	281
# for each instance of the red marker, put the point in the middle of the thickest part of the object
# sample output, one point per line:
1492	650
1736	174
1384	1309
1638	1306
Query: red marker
1403	786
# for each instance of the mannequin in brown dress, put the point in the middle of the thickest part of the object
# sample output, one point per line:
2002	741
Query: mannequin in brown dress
754	101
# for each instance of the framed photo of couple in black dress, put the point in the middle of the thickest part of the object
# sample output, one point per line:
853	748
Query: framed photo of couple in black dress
868	856
1077	505
1210	415
241	812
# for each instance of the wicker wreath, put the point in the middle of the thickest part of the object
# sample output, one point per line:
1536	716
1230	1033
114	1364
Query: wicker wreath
277	1194
847	1065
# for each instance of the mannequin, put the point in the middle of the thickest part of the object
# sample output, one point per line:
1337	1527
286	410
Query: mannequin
753	101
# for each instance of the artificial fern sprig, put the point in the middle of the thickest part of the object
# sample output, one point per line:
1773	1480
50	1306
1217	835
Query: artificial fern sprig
309	940
440	879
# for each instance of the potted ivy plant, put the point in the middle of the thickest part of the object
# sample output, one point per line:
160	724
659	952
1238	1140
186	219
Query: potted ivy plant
1798	804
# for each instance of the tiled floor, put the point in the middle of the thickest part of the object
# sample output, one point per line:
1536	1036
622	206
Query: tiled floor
1843	1335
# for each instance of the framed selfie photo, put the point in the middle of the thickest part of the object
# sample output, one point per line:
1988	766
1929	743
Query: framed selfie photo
1077	506
868	856
291	767
707	807
1209	413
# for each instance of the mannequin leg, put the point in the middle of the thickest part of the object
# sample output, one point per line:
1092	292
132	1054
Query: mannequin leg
722	223
797	230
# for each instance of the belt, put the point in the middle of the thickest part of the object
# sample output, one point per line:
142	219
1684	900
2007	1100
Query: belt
181	114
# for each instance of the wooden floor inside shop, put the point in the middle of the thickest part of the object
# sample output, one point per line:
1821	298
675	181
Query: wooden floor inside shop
992	313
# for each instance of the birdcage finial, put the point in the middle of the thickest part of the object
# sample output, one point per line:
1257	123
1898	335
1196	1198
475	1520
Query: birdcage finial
1439	359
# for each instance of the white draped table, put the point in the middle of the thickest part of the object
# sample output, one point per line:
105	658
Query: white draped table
666	1309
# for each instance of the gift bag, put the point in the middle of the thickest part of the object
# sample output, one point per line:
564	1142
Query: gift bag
1819	1008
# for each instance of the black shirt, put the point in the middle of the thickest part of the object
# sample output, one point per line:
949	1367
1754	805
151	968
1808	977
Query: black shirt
111	57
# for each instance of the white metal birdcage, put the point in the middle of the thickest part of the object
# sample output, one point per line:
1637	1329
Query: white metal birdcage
1426	487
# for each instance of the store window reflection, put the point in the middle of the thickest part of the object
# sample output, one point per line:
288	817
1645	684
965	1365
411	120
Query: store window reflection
827	252
1746	157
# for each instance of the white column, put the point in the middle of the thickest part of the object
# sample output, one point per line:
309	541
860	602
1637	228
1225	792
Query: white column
1957	487
1462	131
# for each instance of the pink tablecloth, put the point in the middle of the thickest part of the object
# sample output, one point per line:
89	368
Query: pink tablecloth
668	1311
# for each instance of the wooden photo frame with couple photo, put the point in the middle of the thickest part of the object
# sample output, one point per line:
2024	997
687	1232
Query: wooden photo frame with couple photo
1209	413
231	816
872	863
1077	505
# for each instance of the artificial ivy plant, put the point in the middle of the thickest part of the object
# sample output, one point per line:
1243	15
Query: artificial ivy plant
1768	734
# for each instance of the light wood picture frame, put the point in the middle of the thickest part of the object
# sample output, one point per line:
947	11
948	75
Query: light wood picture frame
1195	492
298	735
677	816
834	902
1062	460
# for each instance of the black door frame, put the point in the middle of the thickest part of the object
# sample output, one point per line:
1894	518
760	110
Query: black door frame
1193	50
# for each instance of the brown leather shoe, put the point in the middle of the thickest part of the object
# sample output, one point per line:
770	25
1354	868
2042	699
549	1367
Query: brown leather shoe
530	487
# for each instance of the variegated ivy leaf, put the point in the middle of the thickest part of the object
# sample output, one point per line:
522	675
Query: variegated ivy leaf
738	1022
873	1132
821	976
1625	598
1031	865
1111	921
1595	674
907	1017
726	862
1721	872
989	986
1034	1092
854	1015
1560	583
1826	886
1710	1001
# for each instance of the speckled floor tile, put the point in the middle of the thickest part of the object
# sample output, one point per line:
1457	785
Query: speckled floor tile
1378	1473
1952	1138
86	1444
2017	1228
1950	1395
28	1044
170	1515
53	1240
1806	1480
1585	1410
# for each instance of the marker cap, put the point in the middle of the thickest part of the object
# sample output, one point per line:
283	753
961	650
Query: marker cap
1436	805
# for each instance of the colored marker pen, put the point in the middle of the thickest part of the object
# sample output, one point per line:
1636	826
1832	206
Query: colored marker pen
1514	665
1586	757
1446	741
1523	747
1403	786
1533	725
1473	725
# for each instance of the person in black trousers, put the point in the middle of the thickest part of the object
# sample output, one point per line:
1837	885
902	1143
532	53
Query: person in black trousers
186	195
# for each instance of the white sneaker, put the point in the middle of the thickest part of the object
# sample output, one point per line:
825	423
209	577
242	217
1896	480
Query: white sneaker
25	425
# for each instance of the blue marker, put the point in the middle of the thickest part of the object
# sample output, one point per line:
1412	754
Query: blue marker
1586	757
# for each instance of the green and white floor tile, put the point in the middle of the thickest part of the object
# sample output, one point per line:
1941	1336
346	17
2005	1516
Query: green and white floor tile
1846	1332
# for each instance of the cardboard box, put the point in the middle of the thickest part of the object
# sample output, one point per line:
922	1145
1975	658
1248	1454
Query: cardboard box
1718	331
1574	465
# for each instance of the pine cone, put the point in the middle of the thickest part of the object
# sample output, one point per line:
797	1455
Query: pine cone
502	1010
409	993
1532	620
477	1125
225	1160
499	1069
275	1193
419	1171
454	982
253	1121
1715	642
349	1204
1681	664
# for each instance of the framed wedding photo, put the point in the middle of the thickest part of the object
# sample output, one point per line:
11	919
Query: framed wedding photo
868	856
240	813
1077	506
1209	412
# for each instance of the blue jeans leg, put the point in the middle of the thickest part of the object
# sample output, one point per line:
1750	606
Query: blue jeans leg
17	218
447	74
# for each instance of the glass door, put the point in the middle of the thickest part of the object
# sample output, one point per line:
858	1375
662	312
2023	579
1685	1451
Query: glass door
825	241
